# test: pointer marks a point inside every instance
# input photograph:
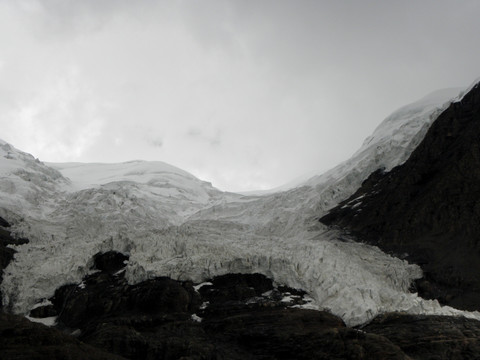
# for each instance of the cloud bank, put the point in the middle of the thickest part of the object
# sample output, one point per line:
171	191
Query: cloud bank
246	94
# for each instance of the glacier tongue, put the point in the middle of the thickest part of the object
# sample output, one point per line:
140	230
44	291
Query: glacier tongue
175	225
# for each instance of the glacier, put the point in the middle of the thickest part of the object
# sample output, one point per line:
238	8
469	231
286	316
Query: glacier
173	224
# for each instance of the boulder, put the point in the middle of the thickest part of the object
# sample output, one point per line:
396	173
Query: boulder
110	261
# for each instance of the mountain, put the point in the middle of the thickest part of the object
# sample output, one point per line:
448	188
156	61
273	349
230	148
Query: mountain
119	252
427	209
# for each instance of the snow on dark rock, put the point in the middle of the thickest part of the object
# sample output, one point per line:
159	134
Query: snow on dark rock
427	210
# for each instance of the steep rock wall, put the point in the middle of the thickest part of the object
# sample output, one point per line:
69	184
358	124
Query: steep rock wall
428	210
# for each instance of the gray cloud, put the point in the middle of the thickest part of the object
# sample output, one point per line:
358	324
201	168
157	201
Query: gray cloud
157	142
245	94
213	138
194	132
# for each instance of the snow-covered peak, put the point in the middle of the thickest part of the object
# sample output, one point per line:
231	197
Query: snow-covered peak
26	184
153	177
408	118
88	175
12	159
390	145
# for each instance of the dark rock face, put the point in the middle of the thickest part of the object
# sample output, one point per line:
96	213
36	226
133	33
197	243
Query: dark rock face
4	223
6	253
161	336
428	210
43	312
233	287
277	333
430	337
21	339
103	294
110	261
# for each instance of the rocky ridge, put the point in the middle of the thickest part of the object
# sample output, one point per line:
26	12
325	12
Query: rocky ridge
427	210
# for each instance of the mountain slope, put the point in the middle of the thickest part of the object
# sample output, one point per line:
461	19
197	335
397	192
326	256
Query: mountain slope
26	184
428	208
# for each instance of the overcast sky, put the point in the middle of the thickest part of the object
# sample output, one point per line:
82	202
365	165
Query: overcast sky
245	94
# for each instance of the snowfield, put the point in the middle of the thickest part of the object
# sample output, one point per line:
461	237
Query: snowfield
173	224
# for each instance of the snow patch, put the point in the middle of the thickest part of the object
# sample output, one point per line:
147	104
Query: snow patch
48	321
199	286
44	302
196	318
204	305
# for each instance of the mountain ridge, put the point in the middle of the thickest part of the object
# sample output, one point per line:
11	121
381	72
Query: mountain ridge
428	206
